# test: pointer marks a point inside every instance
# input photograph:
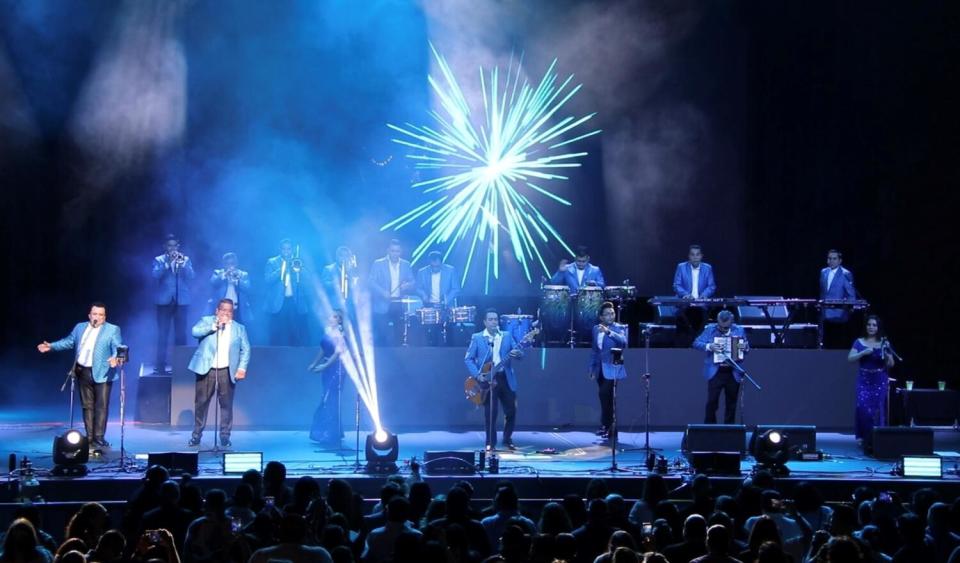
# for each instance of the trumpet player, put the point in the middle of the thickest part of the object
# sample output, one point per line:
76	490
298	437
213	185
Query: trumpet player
173	271
230	282
340	277
286	300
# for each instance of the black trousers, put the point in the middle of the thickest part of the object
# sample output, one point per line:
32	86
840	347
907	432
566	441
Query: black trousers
287	325
505	396
606	400
167	314
94	402
214	380
725	382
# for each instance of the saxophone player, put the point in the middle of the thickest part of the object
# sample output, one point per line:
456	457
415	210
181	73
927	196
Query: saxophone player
172	271
230	282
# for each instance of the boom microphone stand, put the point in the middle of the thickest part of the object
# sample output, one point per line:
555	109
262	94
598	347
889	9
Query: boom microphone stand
126	465
614	429
72	379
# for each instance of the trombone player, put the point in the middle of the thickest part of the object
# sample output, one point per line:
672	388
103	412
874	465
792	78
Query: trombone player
285	297
230	282
173	271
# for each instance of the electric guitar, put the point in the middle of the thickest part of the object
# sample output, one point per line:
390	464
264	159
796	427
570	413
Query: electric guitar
477	388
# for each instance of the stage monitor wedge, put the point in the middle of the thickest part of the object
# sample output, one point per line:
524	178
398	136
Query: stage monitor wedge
894	442
715	438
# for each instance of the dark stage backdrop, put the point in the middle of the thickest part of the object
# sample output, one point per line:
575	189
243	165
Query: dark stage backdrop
768	132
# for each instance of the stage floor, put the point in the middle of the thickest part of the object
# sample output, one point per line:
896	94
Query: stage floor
578	455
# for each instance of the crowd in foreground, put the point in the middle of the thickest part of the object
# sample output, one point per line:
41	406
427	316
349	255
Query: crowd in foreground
263	520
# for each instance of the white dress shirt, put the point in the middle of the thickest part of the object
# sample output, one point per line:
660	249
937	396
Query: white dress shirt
222	359
285	276
833	272
580	276
231	294
87	341
435	287
695	276
495	340
394	278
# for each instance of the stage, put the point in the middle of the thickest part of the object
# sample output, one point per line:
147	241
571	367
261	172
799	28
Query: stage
539	473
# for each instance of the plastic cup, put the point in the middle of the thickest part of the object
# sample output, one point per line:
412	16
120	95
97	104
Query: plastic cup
909	385
942	385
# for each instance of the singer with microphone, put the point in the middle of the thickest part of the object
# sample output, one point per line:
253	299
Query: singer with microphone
876	357
717	367
489	355
219	362
606	337
95	346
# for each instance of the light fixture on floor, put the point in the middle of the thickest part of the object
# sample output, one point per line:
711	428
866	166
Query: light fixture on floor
772	450
381	452
71	451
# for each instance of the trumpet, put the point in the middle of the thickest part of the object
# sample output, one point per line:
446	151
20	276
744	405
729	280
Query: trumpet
232	275
296	264
177	259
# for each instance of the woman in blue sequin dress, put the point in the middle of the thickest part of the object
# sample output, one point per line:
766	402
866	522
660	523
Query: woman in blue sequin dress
872	351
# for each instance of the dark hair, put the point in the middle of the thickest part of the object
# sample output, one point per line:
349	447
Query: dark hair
286	241
490	310
226	300
604	306
724	315
434	255
880	332
100	304
694	247
835	251
171	236
582	251
394	241
229	255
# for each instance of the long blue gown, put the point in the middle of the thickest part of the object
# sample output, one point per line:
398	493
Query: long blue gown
872	384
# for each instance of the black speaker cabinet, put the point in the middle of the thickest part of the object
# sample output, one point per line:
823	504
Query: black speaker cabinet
715	438
153	399
892	442
716	463
177	463
799	436
450	462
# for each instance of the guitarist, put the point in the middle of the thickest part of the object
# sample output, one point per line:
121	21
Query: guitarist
606	337
489	356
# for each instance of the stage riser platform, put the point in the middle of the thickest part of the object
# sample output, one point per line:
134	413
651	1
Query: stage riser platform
423	388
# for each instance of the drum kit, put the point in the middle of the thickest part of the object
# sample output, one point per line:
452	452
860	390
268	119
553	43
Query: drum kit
566	319
569	319
428	324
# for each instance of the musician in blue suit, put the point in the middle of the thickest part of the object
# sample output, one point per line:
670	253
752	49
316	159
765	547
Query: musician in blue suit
836	282
606	336
173	271
579	274
340	277
95	346
721	376
220	360
230	282
499	348
286	296
437	283
693	279
391	278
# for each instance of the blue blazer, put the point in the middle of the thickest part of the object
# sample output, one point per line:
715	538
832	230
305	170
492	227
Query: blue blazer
172	286
379	280
601	360
103	349
568	277
274	293
449	285
683	280
219	288
706	339
841	288
480	352
206	351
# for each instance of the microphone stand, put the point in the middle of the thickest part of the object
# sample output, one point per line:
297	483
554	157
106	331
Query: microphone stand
124	467
216	396
744	375
72	378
